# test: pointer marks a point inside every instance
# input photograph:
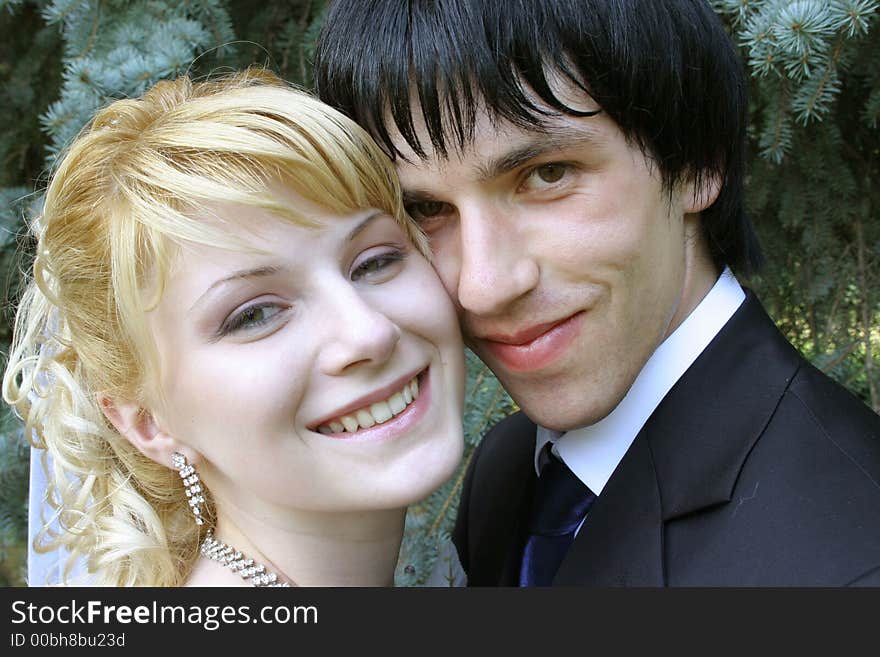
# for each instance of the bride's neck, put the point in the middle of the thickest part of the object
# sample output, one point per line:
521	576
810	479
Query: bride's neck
313	548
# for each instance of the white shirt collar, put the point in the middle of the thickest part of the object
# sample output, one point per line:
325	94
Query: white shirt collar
593	452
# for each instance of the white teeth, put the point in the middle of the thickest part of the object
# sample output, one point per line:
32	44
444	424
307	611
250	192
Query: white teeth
381	412
350	423
396	403
365	419
377	413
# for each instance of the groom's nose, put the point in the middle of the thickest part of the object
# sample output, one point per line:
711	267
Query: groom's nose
495	268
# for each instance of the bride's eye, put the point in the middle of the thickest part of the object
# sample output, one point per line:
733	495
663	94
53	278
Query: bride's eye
252	317
377	265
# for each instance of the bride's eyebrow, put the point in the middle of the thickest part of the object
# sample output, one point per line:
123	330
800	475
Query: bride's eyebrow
363	224
254	272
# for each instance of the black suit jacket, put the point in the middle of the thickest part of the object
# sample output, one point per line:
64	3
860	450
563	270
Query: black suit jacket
755	470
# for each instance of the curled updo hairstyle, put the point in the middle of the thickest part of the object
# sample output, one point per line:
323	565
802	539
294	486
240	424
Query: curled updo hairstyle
126	194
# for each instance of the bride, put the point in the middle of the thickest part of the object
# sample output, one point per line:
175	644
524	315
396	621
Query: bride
234	347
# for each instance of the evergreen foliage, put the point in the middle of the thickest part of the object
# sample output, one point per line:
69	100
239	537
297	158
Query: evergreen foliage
119	49
812	189
815	105
14	456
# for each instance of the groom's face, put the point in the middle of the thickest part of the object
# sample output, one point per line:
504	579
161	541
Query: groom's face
566	258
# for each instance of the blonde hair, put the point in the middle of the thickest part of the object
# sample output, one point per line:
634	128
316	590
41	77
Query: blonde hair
122	198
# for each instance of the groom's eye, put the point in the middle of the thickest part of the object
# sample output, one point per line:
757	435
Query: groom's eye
421	210
551	177
550	173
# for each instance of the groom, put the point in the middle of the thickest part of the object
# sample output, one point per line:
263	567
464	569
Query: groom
578	166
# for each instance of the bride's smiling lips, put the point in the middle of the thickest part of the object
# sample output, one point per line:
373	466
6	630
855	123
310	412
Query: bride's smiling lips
385	410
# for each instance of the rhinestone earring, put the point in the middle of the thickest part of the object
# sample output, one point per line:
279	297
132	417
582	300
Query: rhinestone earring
193	486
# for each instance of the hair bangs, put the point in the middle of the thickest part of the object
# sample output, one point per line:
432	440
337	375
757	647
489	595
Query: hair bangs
438	68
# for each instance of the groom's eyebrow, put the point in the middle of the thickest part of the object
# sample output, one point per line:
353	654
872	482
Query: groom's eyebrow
539	144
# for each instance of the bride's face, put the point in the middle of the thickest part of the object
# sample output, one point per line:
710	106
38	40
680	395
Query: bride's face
293	372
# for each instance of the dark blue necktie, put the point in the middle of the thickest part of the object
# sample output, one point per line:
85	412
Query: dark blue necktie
560	504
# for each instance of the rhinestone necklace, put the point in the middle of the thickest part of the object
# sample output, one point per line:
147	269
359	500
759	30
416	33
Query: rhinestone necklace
238	563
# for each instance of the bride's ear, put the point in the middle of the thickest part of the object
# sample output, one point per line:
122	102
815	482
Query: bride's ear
139	427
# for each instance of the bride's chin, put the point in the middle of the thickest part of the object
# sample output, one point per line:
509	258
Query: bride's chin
439	465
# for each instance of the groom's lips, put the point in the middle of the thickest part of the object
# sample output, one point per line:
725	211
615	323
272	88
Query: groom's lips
535	347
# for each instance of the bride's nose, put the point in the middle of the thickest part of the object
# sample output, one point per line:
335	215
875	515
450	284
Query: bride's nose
358	334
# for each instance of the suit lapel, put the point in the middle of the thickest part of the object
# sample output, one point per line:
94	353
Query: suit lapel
703	431
621	541
688	455
503	489
513	559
